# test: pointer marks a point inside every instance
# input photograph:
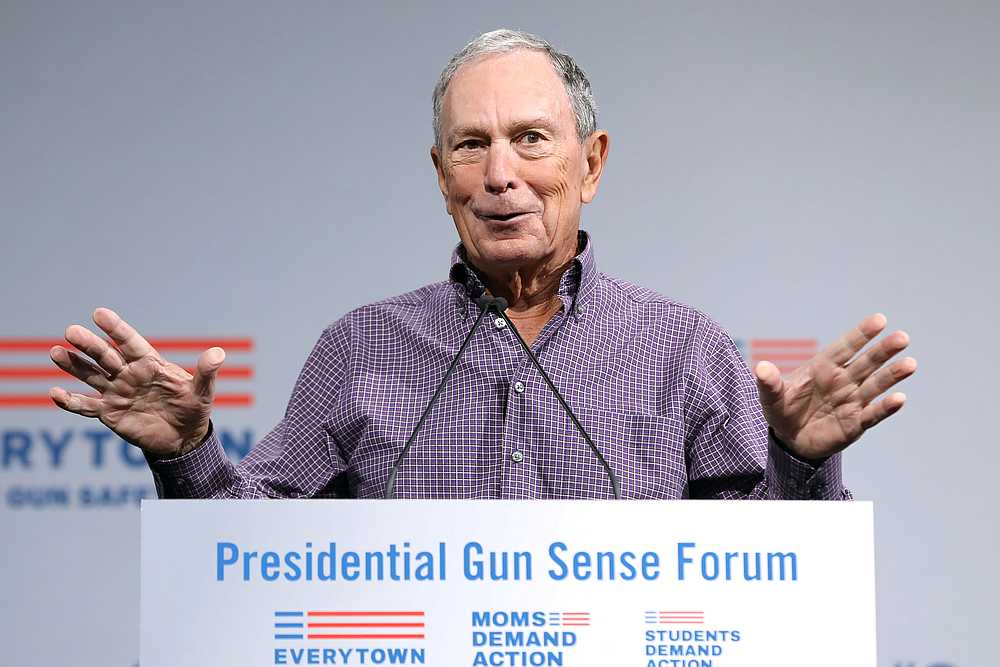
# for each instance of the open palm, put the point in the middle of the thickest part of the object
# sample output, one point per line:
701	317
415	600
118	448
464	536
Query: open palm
830	401
147	400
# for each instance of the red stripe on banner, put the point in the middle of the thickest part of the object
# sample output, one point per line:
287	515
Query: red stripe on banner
43	400
233	400
364	636
29	344
26	401
682	622
764	356
364	613
782	342
365	625
163	344
55	373
682	615
199	344
230	372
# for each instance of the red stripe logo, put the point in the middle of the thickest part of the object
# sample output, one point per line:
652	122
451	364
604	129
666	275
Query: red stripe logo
364	625
675	617
26	372
785	353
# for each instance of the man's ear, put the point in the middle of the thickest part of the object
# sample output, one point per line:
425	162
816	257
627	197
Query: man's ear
595	153
442	181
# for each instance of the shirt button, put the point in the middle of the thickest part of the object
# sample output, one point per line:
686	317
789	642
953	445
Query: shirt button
517	457
519	387
499	323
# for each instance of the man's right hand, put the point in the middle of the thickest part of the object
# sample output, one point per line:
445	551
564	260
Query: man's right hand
148	401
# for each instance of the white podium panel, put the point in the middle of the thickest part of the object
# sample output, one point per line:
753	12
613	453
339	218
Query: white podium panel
507	583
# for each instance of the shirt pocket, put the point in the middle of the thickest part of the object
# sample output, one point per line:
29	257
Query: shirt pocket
645	451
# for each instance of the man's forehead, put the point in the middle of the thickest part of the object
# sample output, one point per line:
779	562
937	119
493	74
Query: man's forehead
512	88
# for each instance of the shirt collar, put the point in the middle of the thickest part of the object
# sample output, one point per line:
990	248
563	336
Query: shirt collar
576	284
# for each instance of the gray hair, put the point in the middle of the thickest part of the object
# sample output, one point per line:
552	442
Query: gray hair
504	41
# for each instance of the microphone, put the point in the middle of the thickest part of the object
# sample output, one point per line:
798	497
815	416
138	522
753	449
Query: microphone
485	303
500	305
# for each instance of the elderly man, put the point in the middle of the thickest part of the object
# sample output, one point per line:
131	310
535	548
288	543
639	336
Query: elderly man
659	387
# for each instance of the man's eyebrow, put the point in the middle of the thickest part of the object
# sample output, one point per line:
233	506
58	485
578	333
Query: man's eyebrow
466	130
542	121
515	127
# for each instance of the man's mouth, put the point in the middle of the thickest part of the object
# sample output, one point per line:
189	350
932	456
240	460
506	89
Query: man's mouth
502	217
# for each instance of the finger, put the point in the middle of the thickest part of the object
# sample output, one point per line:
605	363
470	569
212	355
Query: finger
132	345
769	383
872	359
96	348
871	388
876	412
88	406
208	367
841	350
79	367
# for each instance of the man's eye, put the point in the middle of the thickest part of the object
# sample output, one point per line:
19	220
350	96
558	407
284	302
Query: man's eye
469	143
531	137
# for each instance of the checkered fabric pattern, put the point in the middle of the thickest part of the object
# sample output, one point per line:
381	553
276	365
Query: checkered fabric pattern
660	387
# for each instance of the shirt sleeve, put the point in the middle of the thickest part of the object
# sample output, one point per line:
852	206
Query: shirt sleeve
298	459
730	450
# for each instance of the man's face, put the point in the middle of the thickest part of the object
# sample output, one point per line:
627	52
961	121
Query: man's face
511	167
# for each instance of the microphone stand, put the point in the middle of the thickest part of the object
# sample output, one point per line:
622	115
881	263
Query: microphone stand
484	303
498	305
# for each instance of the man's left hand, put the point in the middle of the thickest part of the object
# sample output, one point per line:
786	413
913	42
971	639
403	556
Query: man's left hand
830	401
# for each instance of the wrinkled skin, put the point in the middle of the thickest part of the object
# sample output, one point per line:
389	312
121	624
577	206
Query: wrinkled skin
510	148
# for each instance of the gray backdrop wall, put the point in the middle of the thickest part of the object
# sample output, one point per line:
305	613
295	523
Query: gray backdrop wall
254	170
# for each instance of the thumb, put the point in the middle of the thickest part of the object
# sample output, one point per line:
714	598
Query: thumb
769	382
208	367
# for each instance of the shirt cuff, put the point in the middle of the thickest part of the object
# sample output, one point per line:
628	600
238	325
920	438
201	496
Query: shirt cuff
201	473
793	478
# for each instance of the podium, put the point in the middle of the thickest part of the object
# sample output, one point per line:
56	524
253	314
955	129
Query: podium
507	583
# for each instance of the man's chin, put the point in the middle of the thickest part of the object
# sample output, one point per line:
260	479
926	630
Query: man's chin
511	251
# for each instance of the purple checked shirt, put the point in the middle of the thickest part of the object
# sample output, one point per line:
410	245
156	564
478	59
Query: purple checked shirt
660	387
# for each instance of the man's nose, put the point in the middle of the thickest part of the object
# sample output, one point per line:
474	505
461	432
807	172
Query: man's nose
500	167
